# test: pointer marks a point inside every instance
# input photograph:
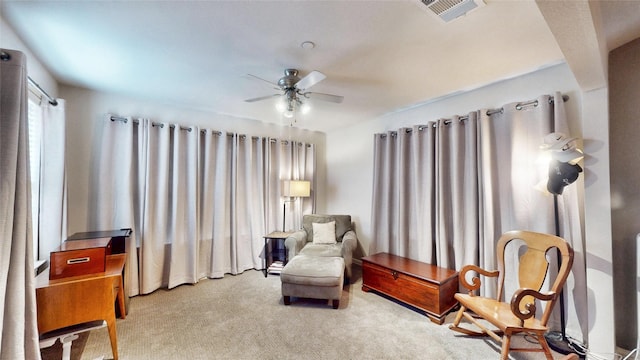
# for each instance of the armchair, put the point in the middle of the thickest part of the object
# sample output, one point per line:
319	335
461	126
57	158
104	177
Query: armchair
518	315
302	241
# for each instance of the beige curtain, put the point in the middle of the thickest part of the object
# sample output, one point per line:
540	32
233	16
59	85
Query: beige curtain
444	192
425	201
510	170
52	212
199	201
17	277
113	185
296	161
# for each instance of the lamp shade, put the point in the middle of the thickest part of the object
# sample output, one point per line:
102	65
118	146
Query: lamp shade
296	188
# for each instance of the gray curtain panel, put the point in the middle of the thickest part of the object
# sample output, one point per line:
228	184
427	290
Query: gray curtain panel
445	191
17	275
199	201
425	201
52	223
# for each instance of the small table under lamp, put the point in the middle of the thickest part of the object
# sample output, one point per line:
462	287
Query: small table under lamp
293	189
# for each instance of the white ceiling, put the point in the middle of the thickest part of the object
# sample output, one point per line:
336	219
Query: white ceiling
382	56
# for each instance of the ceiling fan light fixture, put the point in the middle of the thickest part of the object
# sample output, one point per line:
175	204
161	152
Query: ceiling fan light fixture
295	91
281	105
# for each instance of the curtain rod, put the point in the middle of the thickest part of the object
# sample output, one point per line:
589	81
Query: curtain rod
136	122
5	56
490	112
520	105
52	101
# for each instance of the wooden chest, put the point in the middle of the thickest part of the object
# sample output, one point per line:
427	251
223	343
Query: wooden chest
79	257
424	286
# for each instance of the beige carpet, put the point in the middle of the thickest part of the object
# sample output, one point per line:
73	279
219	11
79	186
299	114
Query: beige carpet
243	317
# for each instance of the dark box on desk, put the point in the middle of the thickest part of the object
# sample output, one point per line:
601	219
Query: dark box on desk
118	238
79	257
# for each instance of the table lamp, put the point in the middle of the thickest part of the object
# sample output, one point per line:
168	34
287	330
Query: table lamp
293	189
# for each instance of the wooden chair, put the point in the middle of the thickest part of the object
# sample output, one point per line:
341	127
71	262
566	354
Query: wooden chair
518	315
71	305
92	298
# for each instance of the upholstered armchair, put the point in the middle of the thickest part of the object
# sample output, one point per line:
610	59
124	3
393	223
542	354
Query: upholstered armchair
326	240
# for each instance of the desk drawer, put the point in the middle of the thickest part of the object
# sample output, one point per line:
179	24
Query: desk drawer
79	258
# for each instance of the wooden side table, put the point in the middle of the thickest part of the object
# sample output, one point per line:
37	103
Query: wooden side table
276	238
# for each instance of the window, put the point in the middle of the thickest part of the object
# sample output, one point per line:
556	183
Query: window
35	136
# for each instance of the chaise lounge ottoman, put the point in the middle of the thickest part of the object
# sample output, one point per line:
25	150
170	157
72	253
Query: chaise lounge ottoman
314	277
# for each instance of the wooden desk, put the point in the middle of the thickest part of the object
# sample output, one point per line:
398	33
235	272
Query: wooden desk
79	299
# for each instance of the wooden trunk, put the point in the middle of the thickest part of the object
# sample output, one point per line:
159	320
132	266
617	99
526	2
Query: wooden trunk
424	286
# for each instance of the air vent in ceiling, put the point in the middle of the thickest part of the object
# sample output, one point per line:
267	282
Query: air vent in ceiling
448	10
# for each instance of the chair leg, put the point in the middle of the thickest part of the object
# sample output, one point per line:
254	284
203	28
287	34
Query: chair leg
336	304
545	346
506	344
111	325
463	330
287	300
456	322
66	345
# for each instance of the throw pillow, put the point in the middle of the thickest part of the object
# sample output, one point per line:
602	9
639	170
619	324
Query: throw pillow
324	233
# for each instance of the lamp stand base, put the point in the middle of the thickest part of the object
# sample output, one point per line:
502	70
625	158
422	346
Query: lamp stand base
559	344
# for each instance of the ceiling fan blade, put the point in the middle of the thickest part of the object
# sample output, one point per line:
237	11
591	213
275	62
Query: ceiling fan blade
262	98
311	79
274	85
324	97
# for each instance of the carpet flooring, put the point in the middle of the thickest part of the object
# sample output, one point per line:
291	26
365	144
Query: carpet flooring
243	317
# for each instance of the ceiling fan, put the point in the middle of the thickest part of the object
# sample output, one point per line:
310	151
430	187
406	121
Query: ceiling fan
295	88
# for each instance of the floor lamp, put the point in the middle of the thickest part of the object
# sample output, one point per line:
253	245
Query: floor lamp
293	189
559	341
563	170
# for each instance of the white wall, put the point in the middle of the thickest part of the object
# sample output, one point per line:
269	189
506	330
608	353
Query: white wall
35	69
597	205
350	150
86	109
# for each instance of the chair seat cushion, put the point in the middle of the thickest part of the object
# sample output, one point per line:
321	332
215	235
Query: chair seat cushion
498	313
313	270
323	250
